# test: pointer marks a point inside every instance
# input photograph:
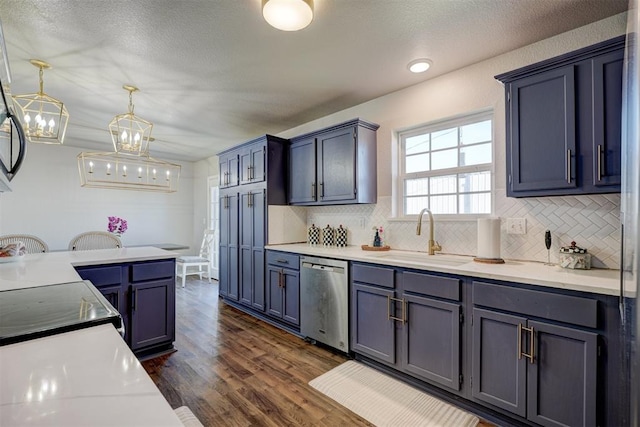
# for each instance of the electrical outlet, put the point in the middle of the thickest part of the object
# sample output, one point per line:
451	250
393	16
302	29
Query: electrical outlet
516	226
363	222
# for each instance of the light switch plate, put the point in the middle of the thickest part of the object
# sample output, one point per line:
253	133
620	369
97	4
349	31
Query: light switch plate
516	226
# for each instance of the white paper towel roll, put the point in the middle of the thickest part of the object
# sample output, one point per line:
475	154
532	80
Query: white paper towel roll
489	238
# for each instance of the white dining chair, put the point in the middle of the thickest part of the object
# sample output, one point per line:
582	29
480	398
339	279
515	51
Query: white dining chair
33	244
94	240
185	264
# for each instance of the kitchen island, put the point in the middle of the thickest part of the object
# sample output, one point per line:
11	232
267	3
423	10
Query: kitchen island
91	376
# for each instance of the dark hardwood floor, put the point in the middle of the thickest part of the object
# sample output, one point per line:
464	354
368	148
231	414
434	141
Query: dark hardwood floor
234	370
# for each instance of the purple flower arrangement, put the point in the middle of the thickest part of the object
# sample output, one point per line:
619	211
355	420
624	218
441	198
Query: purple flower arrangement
116	225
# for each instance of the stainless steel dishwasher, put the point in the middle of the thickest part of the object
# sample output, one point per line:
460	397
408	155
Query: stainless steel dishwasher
324	299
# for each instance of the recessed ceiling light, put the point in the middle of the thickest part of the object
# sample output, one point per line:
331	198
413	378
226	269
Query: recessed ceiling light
419	65
288	15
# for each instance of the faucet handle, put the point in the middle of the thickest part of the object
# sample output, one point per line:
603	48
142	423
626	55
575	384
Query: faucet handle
436	246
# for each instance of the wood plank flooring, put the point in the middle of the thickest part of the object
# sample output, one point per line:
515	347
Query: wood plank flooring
234	370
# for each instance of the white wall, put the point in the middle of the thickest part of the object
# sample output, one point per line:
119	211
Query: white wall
47	201
592	221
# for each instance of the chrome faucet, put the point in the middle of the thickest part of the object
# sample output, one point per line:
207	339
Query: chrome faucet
433	245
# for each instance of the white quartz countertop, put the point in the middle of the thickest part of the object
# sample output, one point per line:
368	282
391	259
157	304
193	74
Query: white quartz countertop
599	281
58	267
87	377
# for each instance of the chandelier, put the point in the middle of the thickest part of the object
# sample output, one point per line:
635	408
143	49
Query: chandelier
44	118
129	167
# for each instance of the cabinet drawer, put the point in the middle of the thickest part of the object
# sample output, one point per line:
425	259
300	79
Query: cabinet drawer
152	270
283	259
373	275
561	308
429	284
102	276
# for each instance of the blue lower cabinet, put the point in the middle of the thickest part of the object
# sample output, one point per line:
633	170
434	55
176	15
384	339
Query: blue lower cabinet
144	295
283	294
402	325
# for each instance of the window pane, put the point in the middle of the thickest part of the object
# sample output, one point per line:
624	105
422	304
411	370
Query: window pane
445	159
476	132
478	203
443	184
417	144
444	139
477	181
475	155
416	187
413	205
417	163
443	204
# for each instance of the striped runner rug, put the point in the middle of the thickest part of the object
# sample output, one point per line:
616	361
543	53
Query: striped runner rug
385	401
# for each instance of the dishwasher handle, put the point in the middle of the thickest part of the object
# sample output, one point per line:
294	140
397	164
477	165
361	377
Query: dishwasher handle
327	268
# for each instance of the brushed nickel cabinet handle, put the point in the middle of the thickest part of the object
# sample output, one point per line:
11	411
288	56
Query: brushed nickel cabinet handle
600	154
569	166
313	190
389	316
322	189
521	353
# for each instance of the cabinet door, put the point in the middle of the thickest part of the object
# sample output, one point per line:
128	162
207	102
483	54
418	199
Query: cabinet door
228	256
498	374
561	383
302	166
275	298
223	165
229	170
291	294
336	159
542	148
607	118
252	161
373	332
152	313
252	240
431	340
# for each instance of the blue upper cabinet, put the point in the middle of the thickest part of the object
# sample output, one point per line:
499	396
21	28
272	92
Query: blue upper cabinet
336	165
563	118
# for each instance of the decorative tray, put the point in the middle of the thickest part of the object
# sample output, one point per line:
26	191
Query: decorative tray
375	248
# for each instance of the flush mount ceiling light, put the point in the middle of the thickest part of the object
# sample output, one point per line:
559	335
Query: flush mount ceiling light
130	134
419	65
44	118
129	167
288	15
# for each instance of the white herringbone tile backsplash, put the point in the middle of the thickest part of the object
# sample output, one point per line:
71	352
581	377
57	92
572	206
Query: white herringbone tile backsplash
593	222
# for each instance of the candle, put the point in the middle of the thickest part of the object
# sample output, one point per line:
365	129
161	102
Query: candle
168	175
90	167
52	123
140	172
154	174
108	168
124	170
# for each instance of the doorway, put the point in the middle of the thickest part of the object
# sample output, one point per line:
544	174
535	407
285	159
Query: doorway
214	223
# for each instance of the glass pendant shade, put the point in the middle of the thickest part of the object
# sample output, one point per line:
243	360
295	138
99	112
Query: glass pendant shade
127	172
288	15
44	118
130	134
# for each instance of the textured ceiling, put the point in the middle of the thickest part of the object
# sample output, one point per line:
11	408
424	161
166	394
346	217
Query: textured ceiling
213	73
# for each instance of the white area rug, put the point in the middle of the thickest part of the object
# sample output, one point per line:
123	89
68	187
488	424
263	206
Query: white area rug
385	401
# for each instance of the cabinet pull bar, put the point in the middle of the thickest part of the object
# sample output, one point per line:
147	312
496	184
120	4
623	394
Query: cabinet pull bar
322	189
600	154
389	316
529	356
569	166
284	282
313	190
282	261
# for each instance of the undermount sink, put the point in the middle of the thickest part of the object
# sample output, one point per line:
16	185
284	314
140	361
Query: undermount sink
422	258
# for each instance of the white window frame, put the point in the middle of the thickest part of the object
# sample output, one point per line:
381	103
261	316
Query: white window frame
399	187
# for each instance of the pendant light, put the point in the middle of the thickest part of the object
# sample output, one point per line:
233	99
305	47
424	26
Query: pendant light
44	118
129	133
288	15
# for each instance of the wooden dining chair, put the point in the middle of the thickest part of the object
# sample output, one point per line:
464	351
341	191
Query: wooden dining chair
203	259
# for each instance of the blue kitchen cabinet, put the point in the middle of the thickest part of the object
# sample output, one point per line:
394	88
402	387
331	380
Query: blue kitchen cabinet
228	247
283	287
244	222
534	368
229	169
144	295
252	161
412	324
252	241
563	123
335	165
